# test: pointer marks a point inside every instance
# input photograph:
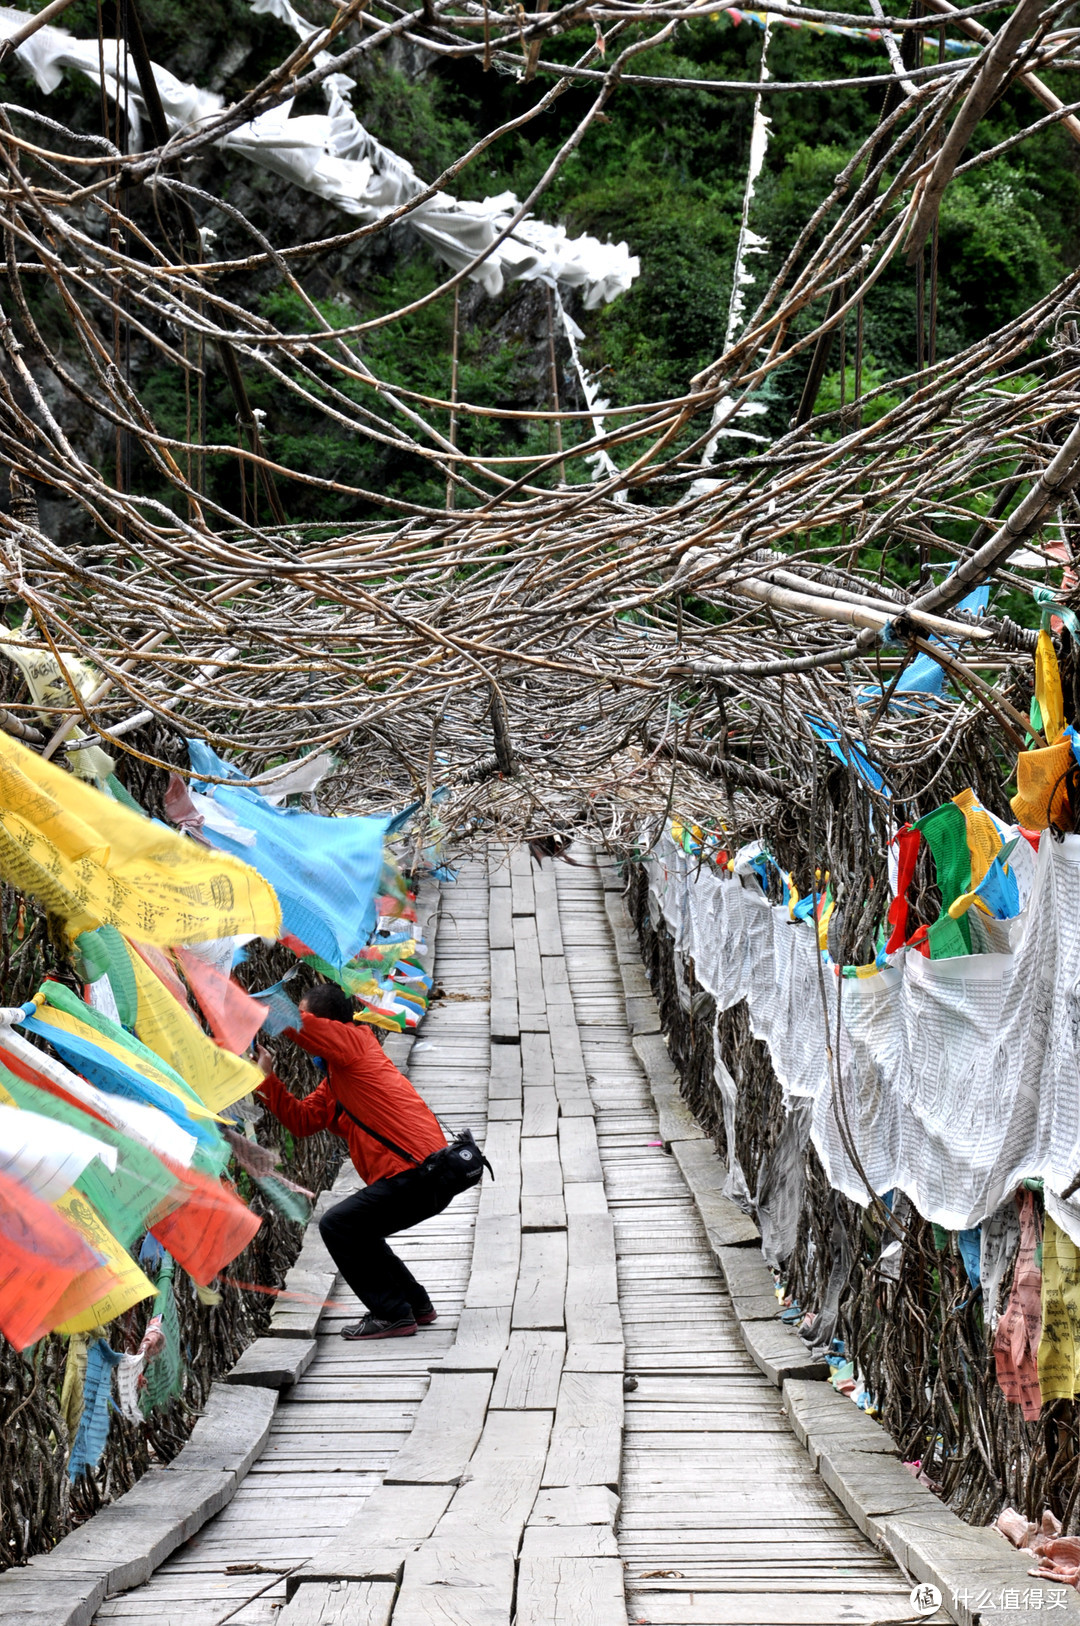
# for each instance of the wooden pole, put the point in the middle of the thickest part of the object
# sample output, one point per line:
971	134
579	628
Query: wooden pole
554	383
453	393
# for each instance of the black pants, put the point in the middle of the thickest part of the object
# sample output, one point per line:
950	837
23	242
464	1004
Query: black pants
354	1232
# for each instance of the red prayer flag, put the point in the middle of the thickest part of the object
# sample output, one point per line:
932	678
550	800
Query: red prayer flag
209	1229
233	1015
907	841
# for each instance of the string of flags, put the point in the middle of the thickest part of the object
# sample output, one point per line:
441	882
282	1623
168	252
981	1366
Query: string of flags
124	1103
764	20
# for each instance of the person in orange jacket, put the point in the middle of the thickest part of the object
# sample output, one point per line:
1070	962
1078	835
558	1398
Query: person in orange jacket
389	1131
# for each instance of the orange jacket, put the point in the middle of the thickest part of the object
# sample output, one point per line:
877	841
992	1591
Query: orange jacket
361	1077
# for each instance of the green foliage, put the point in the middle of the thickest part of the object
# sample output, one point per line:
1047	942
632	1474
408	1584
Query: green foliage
662	170
873	377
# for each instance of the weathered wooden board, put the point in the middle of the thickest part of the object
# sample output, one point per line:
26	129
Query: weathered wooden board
374	1543
541	1168
543	1213
578	1150
498	868
532	1002
569	1541
444	1586
537	1067
554	1591
575	1505
541	1106
483	1332
500	919
448	1425
521	881
340	1603
548	924
529	1373
499	1488
586	1441
541	1288
504	1004
496	1248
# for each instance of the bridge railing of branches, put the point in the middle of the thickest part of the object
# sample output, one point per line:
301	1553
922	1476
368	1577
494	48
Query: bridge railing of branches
554	647
645	619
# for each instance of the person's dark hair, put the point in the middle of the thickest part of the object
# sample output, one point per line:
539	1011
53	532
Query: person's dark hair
327	999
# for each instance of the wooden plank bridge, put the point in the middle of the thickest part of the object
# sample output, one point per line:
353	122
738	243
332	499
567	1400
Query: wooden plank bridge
581	1439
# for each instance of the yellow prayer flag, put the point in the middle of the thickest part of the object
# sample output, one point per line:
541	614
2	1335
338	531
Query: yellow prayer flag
983	837
1048	687
51	682
122	1282
1059	1345
217	1076
94	862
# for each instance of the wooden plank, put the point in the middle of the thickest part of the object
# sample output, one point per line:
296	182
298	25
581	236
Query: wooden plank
540	1115
578	1150
587	1197
703	1172
588	1322
448	1425
504	1078
543	1213
521	881
496	1246
532	1001
504	1111
529	1373
541	1168
575	1100
483	1333
583	1357
566	1050
340	1603
489	1511
548	923
498	867
374	1543
556	983
444	1587
541	1289
554	1591
574	1505
707	1607
591	1259
586	1441
500	919
570	1541
537	1067
502	1149
504	1006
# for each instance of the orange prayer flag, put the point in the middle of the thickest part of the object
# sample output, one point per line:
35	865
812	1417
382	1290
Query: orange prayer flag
42	1259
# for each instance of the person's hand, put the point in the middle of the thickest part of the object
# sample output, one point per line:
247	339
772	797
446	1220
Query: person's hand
264	1060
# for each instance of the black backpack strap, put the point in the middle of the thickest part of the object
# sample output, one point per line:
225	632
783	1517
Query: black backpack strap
398	1151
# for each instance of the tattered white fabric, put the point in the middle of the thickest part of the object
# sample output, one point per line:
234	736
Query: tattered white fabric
46	1157
333	156
131	1368
221	821
956	1078
297	778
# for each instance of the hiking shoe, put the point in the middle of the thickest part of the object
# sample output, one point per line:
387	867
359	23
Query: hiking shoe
424	1318
373	1327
